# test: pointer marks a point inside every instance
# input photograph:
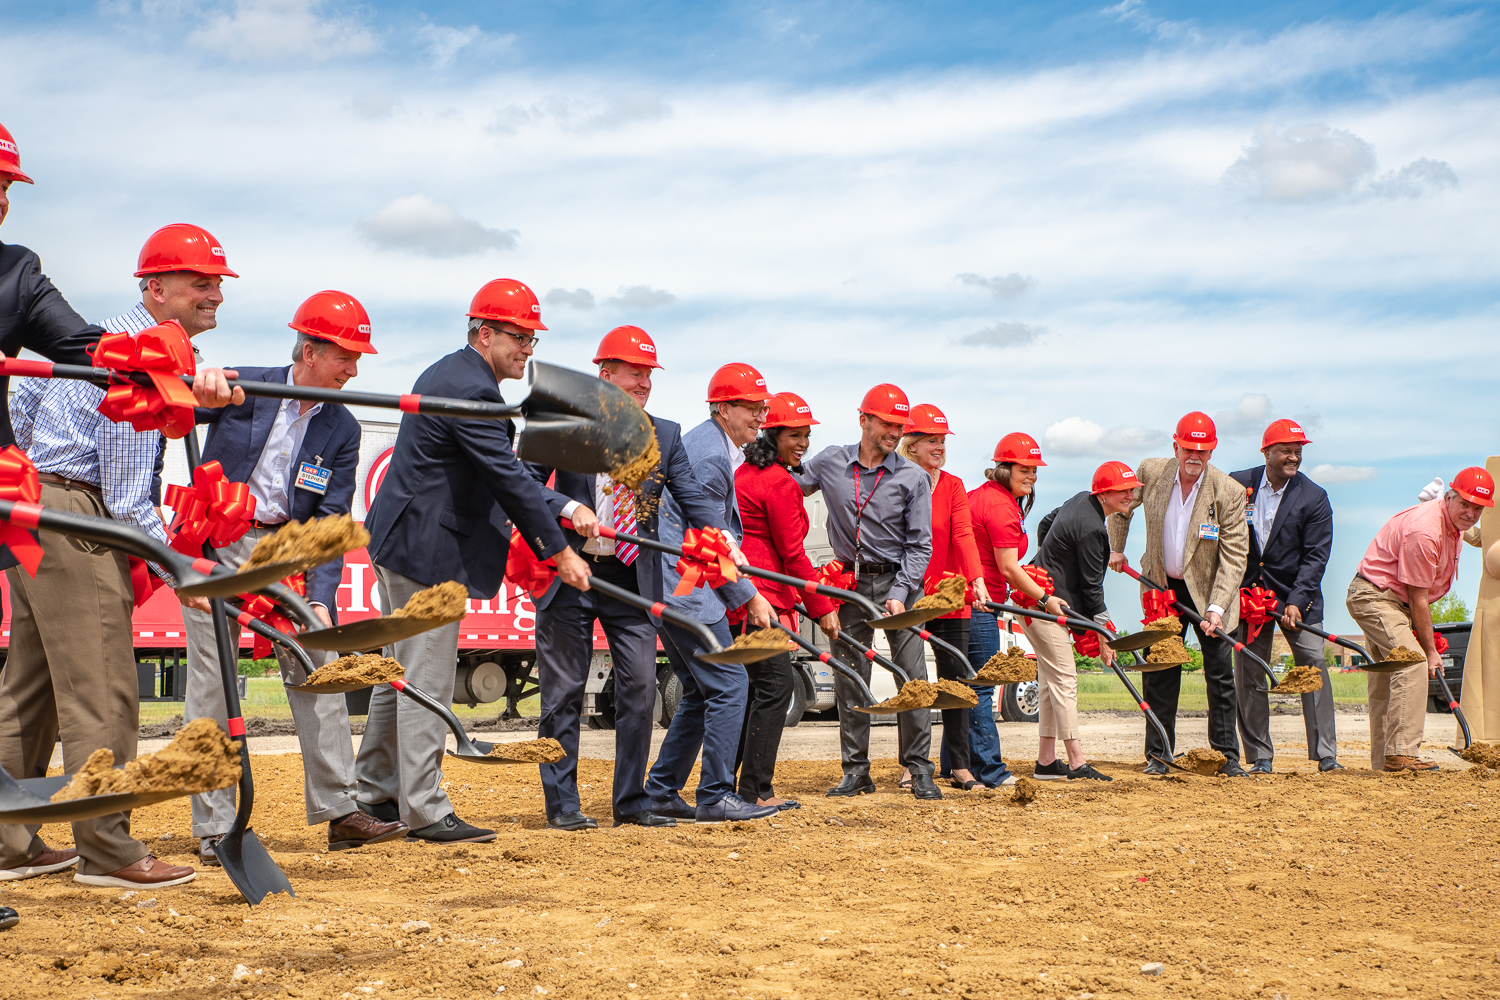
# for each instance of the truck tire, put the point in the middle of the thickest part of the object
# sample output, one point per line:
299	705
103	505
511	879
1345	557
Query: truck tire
1020	702
669	695
604	701
798	707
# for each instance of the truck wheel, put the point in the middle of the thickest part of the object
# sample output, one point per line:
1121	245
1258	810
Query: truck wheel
669	695
1021	702
798	707
604	701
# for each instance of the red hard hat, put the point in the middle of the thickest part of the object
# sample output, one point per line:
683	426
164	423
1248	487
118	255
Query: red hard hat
629	344
1475	485
10	158
926	419
1113	476
737	381
1283	432
509	301
788	410
1018	447
1196	432
183	247
888	403
336	317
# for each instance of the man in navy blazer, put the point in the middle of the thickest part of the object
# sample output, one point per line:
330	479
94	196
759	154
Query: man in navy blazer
299	460
565	619
452	493
1291	535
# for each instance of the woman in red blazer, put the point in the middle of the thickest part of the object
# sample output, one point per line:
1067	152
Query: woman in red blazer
953	552
775	525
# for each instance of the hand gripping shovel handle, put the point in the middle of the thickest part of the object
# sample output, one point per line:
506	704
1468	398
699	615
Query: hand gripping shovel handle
865	651
849	672
1197	619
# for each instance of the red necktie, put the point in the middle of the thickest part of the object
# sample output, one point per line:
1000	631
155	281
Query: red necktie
624	504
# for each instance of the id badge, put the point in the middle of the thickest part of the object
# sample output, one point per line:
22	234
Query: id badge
1208	532
1249	512
313	477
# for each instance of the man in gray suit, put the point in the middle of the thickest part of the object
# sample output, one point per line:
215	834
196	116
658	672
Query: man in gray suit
712	709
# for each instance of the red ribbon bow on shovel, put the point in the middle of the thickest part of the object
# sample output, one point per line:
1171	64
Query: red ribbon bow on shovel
705	561
1157	604
162	352
523	569
262	608
831	575
19	484
213	509
1041	578
1257	607
1087	643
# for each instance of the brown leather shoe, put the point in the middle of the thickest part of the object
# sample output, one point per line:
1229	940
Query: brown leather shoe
50	860
1402	763
147	873
360	830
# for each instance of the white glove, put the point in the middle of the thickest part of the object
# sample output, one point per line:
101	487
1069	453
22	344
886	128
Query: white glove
1432	490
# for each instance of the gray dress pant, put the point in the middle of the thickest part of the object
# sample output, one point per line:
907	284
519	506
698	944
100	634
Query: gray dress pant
401	756
322	719
913	729
1255	709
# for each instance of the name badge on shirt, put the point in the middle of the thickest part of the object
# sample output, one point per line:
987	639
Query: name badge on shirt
1249	511
1208	532
312	477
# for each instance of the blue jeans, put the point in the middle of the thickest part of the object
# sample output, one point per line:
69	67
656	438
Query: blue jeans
709	717
986	764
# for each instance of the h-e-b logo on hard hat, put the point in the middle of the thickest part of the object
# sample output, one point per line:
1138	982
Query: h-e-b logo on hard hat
216	251
1197	434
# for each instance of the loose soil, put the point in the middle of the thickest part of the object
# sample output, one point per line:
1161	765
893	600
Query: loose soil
637	470
1483	754
1201	761
1403	655
447	602
1010	667
1025	791
356	668
1166	623
841	898
913	694
949	595
1169	650
766	638
963	692
309	544
200	758
1300	680
543	751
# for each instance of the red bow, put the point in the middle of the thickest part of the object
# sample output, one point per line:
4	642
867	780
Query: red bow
1041	578
264	609
1439	643
1257	607
525	570
143	582
1087	643
705	561
1158	604
164	353
832	575
213	509
19	484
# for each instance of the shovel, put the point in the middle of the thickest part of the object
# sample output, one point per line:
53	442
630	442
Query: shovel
843	668
28	801
1370	666
1197	619
573	421
372	633
940	701
1458	713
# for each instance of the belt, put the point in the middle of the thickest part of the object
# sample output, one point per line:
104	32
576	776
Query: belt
596	557
875	569
271	527
72	484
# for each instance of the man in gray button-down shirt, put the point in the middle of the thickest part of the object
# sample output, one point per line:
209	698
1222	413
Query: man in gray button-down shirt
880	525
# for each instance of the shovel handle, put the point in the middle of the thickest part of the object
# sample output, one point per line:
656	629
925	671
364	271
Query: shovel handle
1197	619
825	657
950	649
235	614
1337	640
864	650
660	612
1458	713
113	534
427	701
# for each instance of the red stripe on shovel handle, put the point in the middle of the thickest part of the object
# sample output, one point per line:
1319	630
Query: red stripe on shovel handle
811	586
657	609
236	726
25	366
25	515
870	654
205	566
411	402
824	657
924	633
1145	707
1238	646
399	684
1453	705
605	531
245	618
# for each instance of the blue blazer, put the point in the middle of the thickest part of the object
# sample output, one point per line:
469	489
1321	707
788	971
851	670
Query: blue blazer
676	471
237	435
454	487
1297	549
704	445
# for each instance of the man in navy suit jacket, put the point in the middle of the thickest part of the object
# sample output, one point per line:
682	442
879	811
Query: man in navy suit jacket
445	511
1291	535
299	460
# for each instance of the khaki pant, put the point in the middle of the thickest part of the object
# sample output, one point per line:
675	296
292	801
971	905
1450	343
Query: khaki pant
1398	700
1057	679
70	673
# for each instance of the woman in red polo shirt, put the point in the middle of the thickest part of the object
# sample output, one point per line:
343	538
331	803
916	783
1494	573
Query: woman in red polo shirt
775	524
953	552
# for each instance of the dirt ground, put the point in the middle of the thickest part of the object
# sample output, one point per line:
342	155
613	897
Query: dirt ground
1351	884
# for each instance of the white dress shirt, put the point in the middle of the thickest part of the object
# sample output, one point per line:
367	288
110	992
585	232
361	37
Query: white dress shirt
604	510
1267	503
271	481
736	453
1175	526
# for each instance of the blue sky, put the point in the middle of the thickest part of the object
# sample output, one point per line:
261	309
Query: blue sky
1078	220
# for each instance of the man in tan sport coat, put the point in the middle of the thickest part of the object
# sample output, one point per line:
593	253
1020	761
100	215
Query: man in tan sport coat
1197	540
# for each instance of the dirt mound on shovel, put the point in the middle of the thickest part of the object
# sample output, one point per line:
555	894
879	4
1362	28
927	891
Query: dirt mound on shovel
1403	655
200	758
766	638
309	544
1166	623
1025	791
1300	680
446	602
1483	754
913	694
949	595
1204	762
1010	667
1170	650
634	472
542	751
963	692
365	668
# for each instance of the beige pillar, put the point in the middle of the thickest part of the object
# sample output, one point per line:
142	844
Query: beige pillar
1481	696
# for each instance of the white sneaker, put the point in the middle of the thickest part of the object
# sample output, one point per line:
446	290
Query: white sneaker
43	864
1010	779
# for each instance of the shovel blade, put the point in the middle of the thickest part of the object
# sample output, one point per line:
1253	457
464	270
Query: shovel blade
907	619
29	801
1147	667
250	868
1388	666
1138	640
946	701
580	423
738	655
359	637
333	688
241	583
876	710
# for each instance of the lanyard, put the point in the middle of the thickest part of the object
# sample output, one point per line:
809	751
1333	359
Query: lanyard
860	503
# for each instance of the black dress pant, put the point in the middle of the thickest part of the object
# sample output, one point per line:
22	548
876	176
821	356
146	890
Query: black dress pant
765	717
1162	687
955	632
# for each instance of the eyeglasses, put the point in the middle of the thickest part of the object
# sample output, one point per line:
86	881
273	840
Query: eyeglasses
756	409
522	339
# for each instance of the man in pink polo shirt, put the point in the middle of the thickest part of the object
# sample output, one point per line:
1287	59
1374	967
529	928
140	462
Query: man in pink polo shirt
1407	568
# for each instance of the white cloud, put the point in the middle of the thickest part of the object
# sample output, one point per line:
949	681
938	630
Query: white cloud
1003	286
418	224
641	297
284	29
580	116
1415	179
1136	14
1249	416
1330	474
443	44
1006	333
630	108
1303	162
578	298
1076	437
373	106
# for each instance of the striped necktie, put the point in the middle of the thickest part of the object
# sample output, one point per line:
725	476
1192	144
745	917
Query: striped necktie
624	504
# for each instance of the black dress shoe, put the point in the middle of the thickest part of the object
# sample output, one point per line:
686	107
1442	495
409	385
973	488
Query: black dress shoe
644	818
1154	766
1330	764
1232	769
923	787
451	830
674	808
574	820
853	784
8	918
1262	766
789	804
385	810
